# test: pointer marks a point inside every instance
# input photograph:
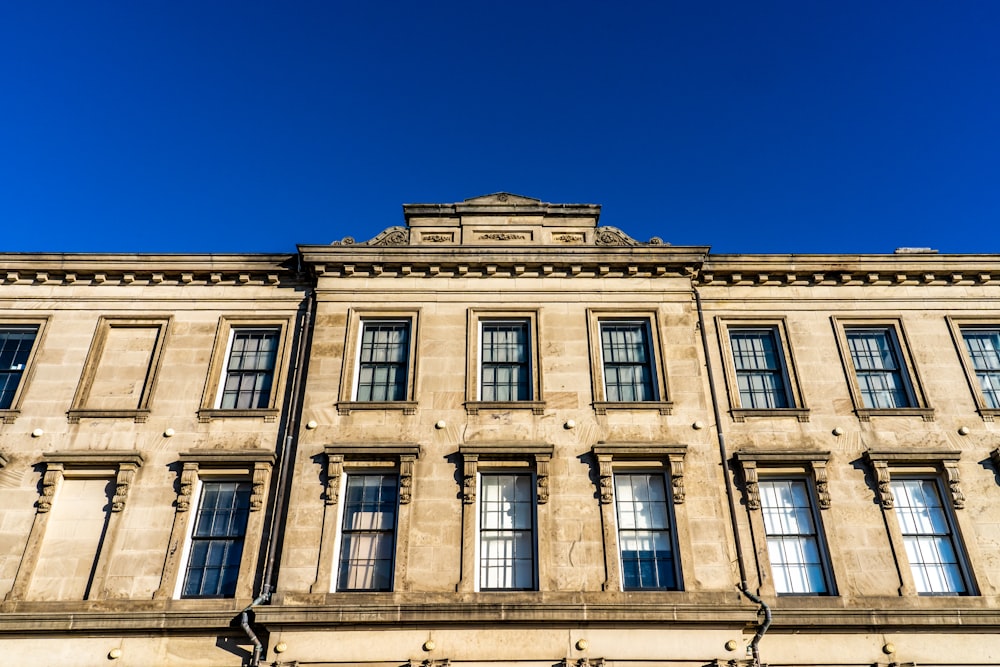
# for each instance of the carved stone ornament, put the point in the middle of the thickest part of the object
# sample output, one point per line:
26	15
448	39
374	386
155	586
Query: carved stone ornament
612	236
126	473
469	479
884	482
393	236
189	475
954	484
750	482
258	486
606	472
502	236
542	478
437	238
822	484
406	479
677	478
334	469
50	480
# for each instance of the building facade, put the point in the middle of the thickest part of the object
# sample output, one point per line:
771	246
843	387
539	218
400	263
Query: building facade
500	434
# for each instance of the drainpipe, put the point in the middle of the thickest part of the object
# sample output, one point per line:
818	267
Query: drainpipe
282	488
730	495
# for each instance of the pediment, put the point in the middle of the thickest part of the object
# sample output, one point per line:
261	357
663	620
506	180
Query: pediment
502	199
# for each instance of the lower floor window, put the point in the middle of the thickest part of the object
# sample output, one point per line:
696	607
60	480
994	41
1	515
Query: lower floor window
506	532
792	540
367	541
217	540
927	536
644	537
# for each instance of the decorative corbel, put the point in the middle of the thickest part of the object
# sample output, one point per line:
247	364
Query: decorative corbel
469	479
542	478
884	481
126	472
50	480
954	484
189	474
750	482
677	477
406	478
258	486
334	469
822	485
606	473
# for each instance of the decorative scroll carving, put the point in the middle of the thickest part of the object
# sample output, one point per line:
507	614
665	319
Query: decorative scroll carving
542	478
258	486
502	236
189	474
822	485
406	478
884	482
126	473
954	484
50	480
567	238
334	469
390	237
677	478
750	482
606	473
437	238
612	236
469	479
347	240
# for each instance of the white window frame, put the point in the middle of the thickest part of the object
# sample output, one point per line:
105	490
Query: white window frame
479	534
649	320
338	542
671	528
816	537
351	369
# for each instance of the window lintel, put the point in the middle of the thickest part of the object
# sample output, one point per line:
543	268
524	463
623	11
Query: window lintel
883	461
607	453
750	460
537	453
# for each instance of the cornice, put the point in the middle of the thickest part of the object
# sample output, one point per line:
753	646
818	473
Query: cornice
849	270
148	270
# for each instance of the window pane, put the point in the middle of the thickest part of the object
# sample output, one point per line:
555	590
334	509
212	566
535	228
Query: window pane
383	361
217	540
628	372
792	540
875	355
984	349
927	536
759	374
15	347
506	532
250	369
644	537
505	373
368	534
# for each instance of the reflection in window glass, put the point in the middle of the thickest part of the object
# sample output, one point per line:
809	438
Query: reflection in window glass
644	538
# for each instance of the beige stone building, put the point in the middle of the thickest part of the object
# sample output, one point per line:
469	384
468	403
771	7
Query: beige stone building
500	434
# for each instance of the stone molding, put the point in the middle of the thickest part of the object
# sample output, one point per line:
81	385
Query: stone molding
538	454
607	453
124	463
403	454
883	462
814	462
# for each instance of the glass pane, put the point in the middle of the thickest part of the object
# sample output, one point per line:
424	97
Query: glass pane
792	540
927	537
368	532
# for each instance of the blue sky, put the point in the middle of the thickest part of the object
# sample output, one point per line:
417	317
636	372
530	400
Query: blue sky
770	126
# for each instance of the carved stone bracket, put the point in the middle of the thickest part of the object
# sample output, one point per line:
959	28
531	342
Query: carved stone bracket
677	477
334	469
471	465
884	482
954	484
189	475
606	473
751	486
542	478
822	484
50	480
126	473
259	485
406	462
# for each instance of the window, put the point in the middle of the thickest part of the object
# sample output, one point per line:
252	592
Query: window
759	374
927	535
506	532
15	350
983	345
792	541
647	554
383	365
216	548
877	367
884	379
628	370
250	369
505	371
368	532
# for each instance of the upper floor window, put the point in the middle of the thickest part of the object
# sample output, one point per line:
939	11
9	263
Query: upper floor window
506	531
505	361
250	369
368	532
216	545
927	535
383	361
878	367
793	546
983	345
760	375
627	362
16	343
644	532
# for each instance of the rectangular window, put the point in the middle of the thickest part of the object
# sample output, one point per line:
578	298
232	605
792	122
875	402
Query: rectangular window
878	367
927	535
383	361
216	548
250	369
644	532
627	360
368	534
506	532
984	350
792	539
15	348
760	377
505	372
